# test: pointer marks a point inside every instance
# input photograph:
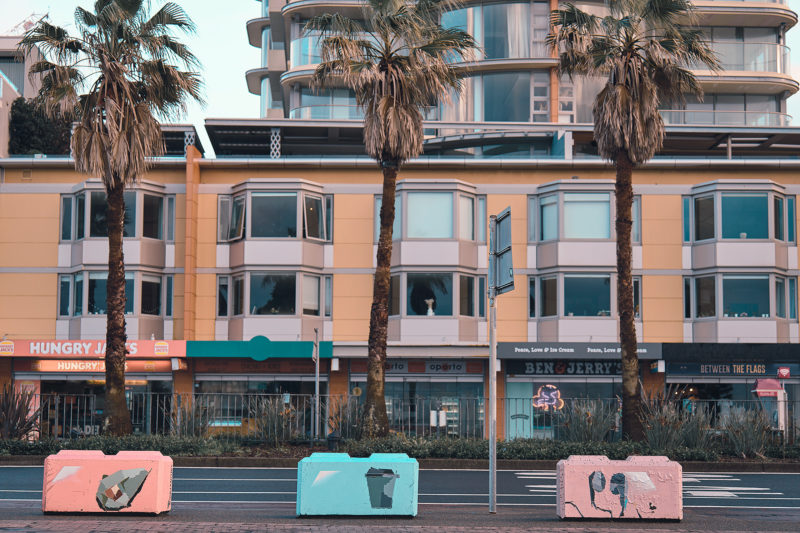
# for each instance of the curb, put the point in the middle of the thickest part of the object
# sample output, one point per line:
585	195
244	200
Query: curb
433	464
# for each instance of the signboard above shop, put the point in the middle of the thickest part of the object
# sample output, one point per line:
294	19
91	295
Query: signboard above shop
423	366
751	369
89	348
573	350
563	367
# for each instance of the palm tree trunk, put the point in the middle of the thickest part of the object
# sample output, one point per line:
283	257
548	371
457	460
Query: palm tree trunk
631	394
117	416
376	422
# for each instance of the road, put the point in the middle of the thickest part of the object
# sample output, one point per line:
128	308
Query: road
448	498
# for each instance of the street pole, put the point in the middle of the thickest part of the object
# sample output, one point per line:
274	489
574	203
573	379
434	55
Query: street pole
492	368
316	384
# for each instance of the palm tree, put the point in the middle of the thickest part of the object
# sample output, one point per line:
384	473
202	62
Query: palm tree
119	72
397	61
644	49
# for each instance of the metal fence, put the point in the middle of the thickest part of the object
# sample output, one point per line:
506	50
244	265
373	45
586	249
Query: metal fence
277	418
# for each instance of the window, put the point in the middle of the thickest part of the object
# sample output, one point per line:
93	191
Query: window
745	296
238	295
482	296
98	217
793	298
272	294
224	218
66	218
549	296
637	297
313	218
777	215
153	217
394	295
222	295
329	217
704	218
481	219
466	295
170	218
531	297
274	215
151	295
235	226
744	216
790	219
687	297
549	217
466	218
64	289
586	215
705	294
636	218
687	231
429	294
587	295
397	227
531	218
780	297
311	295
77	298
168	309
328	295
80	216
97	293
430	215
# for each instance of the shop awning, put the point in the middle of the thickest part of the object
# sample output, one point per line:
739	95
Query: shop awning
767	387
258	348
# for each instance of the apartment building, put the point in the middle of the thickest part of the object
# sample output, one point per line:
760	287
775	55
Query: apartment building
238	263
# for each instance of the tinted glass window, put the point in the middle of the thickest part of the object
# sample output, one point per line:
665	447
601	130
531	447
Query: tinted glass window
507	97
549	297
705	293
587	296
429	294
151	295
704	218
745	216
745	296
152	217
466	297
430	215
272	294
274	215
586	216
98	216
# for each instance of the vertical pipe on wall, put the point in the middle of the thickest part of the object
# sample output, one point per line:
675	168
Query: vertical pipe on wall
190	255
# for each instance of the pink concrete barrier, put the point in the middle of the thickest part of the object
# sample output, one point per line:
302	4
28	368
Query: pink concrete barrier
92	482
592	486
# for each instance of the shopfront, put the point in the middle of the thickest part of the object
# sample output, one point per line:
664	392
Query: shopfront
424	396
541	378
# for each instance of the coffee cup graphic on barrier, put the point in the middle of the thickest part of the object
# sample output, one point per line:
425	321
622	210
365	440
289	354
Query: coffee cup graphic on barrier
380	482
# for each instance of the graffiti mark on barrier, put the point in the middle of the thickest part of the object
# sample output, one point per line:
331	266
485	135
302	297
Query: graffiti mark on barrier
118	490
624	486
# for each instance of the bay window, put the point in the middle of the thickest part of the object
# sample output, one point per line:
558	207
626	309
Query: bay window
153	216
587	295
429	294
397	226
430	215
272	294
587	215
745	296
744	216
98	216
151	295
275	215
96	304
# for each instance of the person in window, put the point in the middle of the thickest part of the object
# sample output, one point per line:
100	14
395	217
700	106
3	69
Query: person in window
423	292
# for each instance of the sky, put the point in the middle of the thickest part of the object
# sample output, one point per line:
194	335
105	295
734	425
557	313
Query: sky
221	45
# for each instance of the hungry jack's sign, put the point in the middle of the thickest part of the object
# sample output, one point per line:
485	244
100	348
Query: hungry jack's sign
89	348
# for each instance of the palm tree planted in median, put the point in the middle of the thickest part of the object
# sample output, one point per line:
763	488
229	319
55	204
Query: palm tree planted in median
397	60
643	49
117	75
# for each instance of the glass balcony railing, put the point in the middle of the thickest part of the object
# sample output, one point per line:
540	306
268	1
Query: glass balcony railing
305	51
749	1
751	57
725	118
327	111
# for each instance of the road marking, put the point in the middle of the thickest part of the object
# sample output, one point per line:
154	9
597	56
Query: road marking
10	490
231	479
712	494
228	492
540	487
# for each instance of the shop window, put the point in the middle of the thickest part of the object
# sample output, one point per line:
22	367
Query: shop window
64	290
272	294
77	294
704	218
430	215
744	216
482	296
793	298
151	295
169	296
273	215
466	295
97	293
549	296
637	297
238	295
397	227
548	222
222	295
531	297
394	295
705	294
466	218
587	295
311	295
66	218
687	228
745	296
328	296
780	297
429	294
586	215
481	219
153	216
98	216
170	218
777	215
636	218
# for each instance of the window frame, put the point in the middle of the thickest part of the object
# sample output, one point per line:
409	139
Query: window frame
224	280
588	275
273	273
149	278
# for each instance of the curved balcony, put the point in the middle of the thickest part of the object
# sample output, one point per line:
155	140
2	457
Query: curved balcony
753	57
254	28
745	13
327	111
304	51
725	118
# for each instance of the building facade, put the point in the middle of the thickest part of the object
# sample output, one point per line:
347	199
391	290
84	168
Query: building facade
237	264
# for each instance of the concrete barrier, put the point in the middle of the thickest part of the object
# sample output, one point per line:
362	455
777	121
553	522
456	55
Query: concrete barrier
77	481
336	484
592	486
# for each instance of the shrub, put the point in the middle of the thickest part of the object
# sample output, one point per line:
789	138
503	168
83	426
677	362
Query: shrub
748	431
273	421
663	424
18	417
587	421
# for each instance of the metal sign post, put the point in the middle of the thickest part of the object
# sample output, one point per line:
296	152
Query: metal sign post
316	384
501	279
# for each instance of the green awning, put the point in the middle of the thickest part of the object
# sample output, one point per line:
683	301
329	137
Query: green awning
258	348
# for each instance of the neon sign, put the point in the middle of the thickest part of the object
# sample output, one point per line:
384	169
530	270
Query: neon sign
548	397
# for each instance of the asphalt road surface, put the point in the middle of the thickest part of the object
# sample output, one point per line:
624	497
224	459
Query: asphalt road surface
211	497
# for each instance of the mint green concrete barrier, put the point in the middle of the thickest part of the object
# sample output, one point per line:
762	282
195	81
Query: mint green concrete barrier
336	484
